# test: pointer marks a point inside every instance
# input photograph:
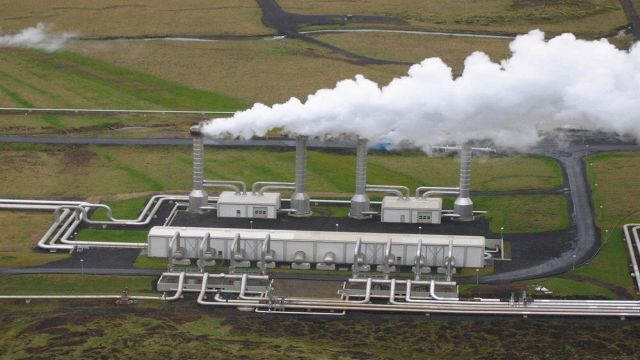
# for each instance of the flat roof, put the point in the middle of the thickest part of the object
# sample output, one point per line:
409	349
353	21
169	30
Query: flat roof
267	198
323	236
394	202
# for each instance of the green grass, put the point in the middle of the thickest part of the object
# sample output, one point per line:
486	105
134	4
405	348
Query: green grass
617	191
145	262
569	288
74	284
121	209
78	171
10	259
132	236
87	82
524	213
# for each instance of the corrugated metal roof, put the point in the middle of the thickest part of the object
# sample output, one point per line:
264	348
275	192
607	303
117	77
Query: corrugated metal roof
324	236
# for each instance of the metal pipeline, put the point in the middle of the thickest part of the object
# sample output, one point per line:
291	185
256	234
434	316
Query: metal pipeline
428	194
634	261
420	189
400	191
240	187
198	196
260	186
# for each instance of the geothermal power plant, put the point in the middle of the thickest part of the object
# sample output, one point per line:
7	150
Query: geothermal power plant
223	242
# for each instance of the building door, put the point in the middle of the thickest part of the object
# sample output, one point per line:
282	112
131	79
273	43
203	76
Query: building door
402	218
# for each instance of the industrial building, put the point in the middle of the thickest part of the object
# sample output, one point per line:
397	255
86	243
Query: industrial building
251	205
411	210
318	247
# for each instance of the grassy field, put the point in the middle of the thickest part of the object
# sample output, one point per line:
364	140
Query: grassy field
144	17
254	71
75	284
114	126
64	79
524	213
588	18
617	191
83	171
415	48
568	288
21	231
131	236
83	330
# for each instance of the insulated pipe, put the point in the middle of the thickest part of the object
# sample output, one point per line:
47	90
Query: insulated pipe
429	193
450	260
300	198
420	189
634	261
260	186
198	197
401	191
360	200
432	292
396	192
266	250
436	307
233	185
418	260
204	246
408	297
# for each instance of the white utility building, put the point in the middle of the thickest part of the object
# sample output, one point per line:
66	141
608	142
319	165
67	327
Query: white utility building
248	205
411	210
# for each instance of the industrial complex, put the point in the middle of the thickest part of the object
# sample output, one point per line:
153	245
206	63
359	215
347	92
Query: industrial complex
403	253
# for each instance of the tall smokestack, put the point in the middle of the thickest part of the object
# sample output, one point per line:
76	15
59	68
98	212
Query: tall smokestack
198	197
463	206
300	198
360	200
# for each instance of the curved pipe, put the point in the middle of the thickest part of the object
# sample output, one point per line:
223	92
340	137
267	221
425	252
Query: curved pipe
439	192
260	186
432	292
401	191
420	189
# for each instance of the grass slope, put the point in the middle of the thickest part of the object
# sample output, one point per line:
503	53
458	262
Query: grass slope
66	79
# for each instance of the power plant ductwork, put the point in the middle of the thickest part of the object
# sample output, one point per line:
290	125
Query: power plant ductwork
360	200
463	206
300	198
198	197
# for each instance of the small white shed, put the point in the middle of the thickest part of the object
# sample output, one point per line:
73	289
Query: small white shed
264	206
411	210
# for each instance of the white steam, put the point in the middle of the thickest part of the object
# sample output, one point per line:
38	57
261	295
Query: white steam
37	37
543	86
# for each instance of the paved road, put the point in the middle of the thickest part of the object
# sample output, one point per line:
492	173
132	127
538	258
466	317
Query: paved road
632	17
586	234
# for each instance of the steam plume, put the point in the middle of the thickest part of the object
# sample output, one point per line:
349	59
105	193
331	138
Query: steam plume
542	86
37	37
